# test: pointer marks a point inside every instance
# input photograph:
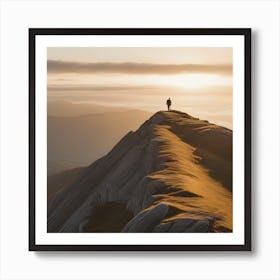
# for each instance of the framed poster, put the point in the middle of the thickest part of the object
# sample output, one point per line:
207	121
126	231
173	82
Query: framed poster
140	139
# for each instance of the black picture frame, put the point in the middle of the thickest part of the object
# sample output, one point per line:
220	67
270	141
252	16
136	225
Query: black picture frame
246	32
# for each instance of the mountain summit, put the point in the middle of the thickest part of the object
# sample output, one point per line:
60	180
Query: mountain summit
174	174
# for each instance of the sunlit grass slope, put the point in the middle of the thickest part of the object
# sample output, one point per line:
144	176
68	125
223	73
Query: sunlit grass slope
190	189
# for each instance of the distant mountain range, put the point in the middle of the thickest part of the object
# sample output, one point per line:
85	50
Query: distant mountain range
62	108
58	166
85	138
173	174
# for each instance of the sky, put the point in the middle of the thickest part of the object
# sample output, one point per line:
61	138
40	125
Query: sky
198	80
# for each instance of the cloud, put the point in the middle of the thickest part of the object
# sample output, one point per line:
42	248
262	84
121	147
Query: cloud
58	66
99	88
220	92
127	92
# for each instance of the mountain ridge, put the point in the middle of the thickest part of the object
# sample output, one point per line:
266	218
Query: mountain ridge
173	174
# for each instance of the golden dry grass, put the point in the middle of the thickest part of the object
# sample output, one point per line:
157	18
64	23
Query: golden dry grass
197	195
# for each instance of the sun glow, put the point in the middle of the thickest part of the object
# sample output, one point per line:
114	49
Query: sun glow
192	81
185	81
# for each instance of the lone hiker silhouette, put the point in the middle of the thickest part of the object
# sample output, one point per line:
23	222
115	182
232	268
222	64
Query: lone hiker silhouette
168	103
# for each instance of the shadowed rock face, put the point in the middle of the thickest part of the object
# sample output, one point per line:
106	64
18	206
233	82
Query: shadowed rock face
174	174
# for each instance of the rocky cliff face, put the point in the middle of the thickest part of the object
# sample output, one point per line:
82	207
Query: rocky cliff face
174	174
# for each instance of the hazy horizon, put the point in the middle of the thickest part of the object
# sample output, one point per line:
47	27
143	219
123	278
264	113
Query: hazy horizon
198	80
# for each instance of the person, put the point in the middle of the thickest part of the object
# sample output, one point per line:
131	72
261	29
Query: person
168	103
